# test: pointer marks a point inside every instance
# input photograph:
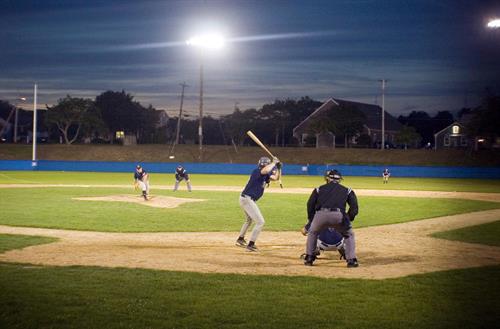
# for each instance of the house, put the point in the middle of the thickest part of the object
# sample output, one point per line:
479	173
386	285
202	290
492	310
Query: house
372	126
452	136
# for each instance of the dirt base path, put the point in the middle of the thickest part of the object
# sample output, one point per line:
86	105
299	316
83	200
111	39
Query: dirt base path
387	251
383	251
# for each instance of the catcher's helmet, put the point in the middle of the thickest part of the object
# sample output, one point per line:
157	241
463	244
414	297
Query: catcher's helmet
333	174
264	161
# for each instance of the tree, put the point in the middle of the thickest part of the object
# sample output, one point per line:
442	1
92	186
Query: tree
70	115
347	121
119	111
422	123
407	136
485	118
441	120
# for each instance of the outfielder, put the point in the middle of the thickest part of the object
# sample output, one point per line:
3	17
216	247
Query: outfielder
262	175
386	174
180	175
141	179
326	208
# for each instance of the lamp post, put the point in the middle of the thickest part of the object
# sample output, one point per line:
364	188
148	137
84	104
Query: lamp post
35	94
383	114
204	42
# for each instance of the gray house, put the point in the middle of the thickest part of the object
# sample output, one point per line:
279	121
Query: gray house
371	127
453	136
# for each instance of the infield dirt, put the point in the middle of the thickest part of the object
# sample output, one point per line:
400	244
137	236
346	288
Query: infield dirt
386	251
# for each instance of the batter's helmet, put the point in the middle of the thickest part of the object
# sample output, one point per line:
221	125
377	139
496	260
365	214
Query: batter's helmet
179	169
264	161
333	175
138	167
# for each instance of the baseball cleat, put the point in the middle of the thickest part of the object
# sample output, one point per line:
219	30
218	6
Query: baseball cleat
241	242
252	247
352	263
309	260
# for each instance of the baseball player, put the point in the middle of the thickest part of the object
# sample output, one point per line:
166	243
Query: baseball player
326	207
141	179
328	240
266	171
180	175
386	174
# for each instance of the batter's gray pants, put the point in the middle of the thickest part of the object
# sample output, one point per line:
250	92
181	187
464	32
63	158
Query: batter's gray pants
324	219
253	214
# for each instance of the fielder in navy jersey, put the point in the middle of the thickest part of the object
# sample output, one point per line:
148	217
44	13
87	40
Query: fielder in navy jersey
266	171
141	179
180	175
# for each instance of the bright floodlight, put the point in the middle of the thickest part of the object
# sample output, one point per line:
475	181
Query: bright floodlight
494	23
210	41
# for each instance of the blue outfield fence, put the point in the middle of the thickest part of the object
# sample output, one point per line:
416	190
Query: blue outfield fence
244	169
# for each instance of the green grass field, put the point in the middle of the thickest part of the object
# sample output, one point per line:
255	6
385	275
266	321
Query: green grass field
488	234
395	183
55	208
89	297
14	241
93	297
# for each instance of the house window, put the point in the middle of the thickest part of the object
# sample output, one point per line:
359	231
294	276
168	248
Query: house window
455	130
446	140
120	135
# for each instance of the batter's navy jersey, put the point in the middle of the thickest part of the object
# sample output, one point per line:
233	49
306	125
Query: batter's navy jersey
255	185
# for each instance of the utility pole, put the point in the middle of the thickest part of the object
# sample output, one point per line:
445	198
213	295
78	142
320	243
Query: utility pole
383	113
200	127
35	94
184	85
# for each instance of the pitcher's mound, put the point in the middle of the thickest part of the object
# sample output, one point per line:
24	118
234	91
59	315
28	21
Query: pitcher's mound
154	201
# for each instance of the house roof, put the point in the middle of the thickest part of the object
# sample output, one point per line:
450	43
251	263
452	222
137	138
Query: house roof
373	114
455	123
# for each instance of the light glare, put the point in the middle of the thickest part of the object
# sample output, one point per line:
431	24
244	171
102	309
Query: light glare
494	23
210	41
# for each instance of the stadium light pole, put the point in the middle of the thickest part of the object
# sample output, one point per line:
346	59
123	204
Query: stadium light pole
383	114
33	159
203	43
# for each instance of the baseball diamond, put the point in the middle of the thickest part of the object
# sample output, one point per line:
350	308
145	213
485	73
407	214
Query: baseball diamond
211	252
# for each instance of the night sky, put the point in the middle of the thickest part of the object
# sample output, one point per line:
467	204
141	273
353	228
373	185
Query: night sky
436	55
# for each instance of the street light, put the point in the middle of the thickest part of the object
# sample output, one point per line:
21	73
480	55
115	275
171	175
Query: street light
204	42
494	23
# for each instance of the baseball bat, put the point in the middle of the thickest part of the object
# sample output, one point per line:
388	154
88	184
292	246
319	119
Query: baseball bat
258	142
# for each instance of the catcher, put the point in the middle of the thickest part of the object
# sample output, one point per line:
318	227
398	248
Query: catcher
141	180
328	240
